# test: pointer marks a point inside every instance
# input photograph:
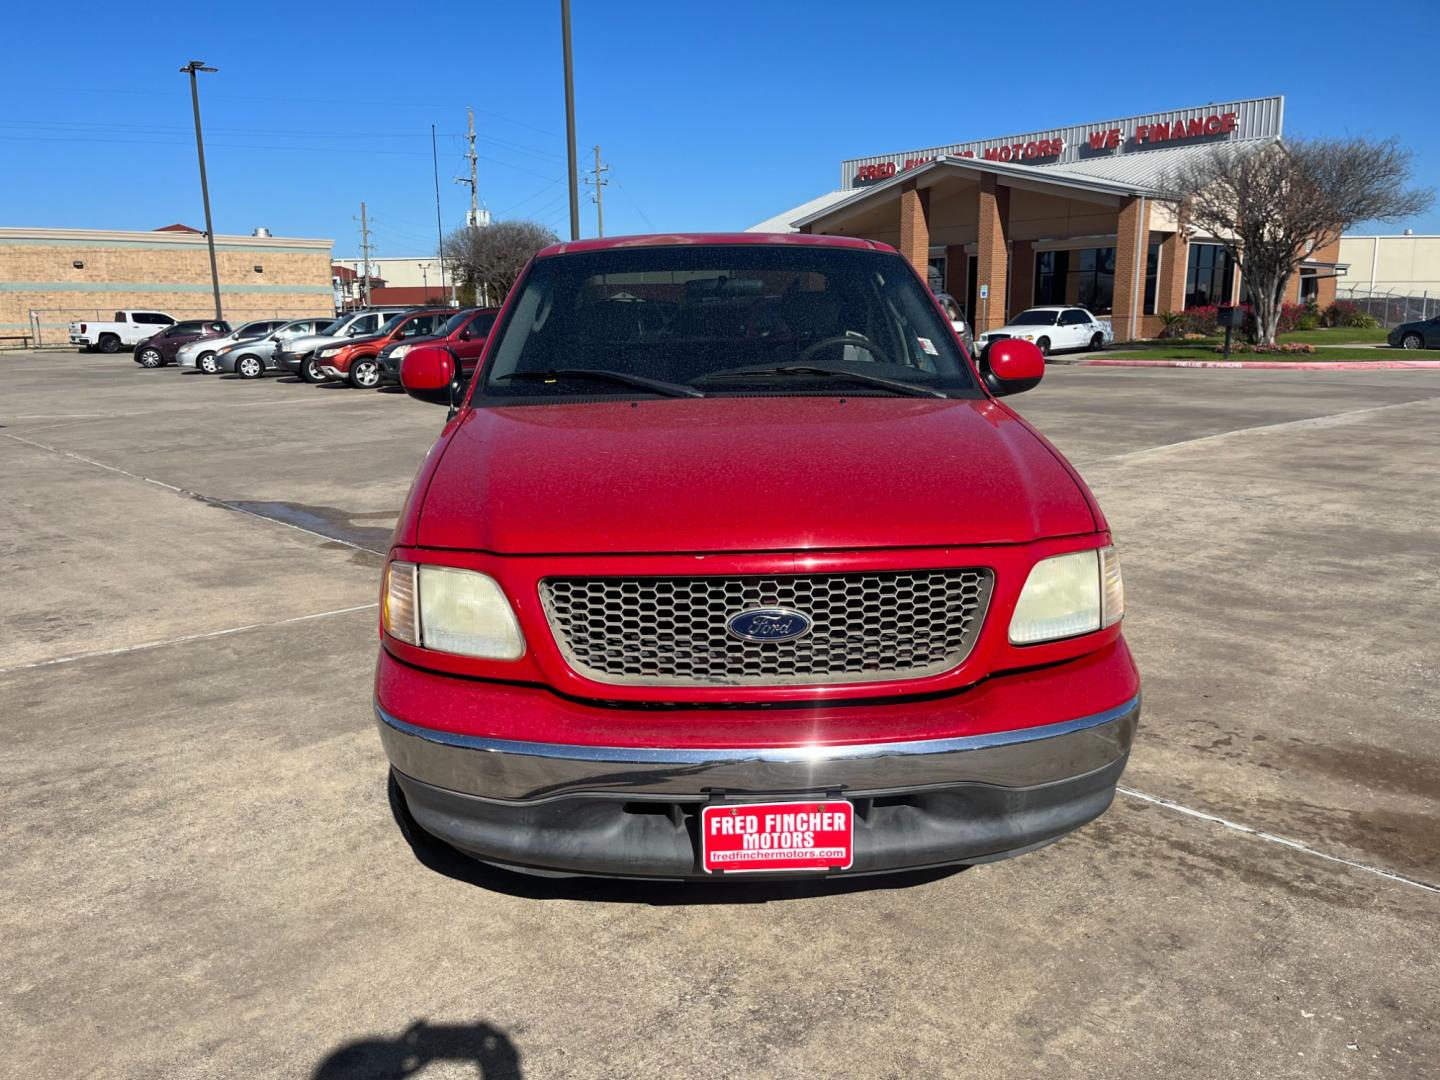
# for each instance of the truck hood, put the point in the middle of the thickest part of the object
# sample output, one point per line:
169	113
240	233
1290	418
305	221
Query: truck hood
746	474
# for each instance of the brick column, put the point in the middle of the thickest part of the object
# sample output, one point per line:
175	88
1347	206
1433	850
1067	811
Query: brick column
915	225
1174	262
1132	240
1022	276
990	268
1325	287
956	265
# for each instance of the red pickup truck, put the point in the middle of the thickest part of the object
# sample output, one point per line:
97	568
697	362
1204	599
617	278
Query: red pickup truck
730	560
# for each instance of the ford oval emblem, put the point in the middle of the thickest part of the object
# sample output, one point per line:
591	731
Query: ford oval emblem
768	624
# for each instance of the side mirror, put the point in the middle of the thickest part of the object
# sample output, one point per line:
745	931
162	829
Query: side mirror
1011	366
464	335
431	374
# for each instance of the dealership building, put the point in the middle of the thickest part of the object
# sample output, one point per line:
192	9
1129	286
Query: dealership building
1068	215
51	276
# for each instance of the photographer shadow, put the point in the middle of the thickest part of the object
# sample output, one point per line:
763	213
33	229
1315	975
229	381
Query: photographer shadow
418	1046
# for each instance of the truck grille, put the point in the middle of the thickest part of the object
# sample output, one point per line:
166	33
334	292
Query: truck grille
672	631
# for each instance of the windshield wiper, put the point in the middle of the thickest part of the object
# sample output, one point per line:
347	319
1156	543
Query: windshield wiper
913	389
669	389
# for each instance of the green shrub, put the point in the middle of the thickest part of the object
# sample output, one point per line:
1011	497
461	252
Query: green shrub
1172	324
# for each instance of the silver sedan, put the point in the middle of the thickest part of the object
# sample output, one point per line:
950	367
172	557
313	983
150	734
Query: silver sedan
201	354
253	357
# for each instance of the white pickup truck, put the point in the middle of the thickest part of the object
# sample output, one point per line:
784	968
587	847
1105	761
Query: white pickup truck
128	329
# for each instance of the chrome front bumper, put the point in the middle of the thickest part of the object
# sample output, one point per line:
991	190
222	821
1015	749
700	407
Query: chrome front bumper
511	771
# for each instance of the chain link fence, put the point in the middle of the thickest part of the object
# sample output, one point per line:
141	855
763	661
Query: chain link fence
50	327
1390	307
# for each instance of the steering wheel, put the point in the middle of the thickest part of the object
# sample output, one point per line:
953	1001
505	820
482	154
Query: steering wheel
844	339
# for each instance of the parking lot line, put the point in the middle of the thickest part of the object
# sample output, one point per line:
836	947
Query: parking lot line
1295	845
1329	420
188	637
207	499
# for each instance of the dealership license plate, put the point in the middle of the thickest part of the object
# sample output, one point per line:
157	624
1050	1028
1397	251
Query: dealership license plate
749	837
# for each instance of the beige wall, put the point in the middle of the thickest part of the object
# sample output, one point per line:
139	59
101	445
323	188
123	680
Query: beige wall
167	272
1403	265
401	271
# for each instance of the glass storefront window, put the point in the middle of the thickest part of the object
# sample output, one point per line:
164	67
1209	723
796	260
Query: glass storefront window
1152	276
1051	270
1209	277
1093	279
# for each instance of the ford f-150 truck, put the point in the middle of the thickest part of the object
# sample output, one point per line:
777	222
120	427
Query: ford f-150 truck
731	561
128	328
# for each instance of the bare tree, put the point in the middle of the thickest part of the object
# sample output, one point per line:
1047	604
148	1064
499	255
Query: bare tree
1274	206
488	260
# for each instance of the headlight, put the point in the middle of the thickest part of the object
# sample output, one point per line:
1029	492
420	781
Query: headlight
450	610
322	354
1067	595
399	351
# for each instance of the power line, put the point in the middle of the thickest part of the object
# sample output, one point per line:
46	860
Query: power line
522	202
635	205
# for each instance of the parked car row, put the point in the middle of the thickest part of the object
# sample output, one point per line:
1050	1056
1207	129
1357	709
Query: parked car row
362	348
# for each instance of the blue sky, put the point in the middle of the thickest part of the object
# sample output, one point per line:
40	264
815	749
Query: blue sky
711	116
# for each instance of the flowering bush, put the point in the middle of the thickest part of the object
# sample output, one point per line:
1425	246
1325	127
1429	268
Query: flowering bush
1202	320
1289	348
1344	313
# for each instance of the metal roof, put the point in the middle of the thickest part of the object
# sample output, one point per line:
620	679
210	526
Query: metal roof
783	222
1145	172
1057	175
1258	119
1130	174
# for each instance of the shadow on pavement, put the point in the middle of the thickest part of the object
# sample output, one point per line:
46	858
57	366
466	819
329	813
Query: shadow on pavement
379	1058
440	857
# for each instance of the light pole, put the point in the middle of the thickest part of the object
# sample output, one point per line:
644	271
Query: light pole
192	68
570	119
425	278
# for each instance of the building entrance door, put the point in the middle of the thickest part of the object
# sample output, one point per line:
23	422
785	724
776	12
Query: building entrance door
972	264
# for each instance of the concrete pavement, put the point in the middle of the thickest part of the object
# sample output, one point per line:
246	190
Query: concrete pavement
203	879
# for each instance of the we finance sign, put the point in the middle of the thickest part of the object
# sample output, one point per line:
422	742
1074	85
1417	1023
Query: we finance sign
1259	118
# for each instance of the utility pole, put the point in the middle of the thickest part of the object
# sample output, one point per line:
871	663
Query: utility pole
365	253
425	279
192	68
570	119
599	183
475	221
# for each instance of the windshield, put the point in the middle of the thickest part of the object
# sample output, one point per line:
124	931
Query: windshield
391	323
1035	317
454	323
724	319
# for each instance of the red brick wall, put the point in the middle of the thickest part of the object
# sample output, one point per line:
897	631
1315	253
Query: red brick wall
957	264
990	266
915	226
1174	260
1132	241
